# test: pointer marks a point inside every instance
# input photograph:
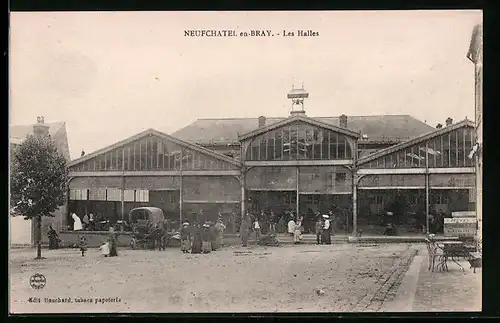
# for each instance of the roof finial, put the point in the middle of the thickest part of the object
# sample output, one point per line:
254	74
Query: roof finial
297	96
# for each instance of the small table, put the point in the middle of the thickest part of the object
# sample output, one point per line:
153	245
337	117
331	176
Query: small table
452	249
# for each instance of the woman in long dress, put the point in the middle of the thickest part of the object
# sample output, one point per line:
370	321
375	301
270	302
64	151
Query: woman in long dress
53	238
185	237
206	243
280	228
214	237
327	239
111	239
220	227
245	230
196	247
291	227
272	223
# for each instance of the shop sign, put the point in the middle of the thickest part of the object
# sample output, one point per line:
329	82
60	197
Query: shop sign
460	227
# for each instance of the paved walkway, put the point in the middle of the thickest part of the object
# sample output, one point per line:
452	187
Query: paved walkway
425	291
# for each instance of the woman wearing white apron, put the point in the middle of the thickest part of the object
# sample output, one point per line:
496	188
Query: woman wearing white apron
77	224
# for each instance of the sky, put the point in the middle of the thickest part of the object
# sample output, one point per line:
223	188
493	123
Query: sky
110	75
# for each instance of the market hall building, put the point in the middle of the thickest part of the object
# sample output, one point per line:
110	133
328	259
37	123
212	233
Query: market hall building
298	163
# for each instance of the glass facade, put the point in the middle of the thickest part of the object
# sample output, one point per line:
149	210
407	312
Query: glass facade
299	141
151	154
448	150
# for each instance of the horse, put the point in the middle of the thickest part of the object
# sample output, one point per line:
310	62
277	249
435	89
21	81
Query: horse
159	237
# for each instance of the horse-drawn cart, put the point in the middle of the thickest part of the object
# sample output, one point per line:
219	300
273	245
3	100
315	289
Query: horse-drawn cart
149	229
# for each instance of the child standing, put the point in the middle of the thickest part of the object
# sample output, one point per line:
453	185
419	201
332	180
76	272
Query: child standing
185	237
206	239
256	227
83	245
297	234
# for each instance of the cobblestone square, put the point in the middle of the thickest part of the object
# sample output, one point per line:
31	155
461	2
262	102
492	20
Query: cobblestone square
304	278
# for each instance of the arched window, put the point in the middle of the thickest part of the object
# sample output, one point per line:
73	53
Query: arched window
451	149
299	141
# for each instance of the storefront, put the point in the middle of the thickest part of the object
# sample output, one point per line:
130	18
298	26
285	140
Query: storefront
418	180
298	165
154	169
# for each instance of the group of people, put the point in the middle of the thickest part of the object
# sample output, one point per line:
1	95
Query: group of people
294	225
324	228
89	222
202	238
107	249
256	224
86	223
436	222
296	228
205	236
276	222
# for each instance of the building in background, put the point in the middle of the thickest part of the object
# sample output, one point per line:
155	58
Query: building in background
358	167
475	54
22	232
56	130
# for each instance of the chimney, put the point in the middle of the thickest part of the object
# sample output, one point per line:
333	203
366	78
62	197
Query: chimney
40	128
262	121
439	126
449	121
343	121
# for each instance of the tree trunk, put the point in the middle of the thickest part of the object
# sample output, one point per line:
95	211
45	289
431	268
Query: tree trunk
38	235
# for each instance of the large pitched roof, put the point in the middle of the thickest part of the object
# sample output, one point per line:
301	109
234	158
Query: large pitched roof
159	134
377	128
18	133
311	121
414	141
